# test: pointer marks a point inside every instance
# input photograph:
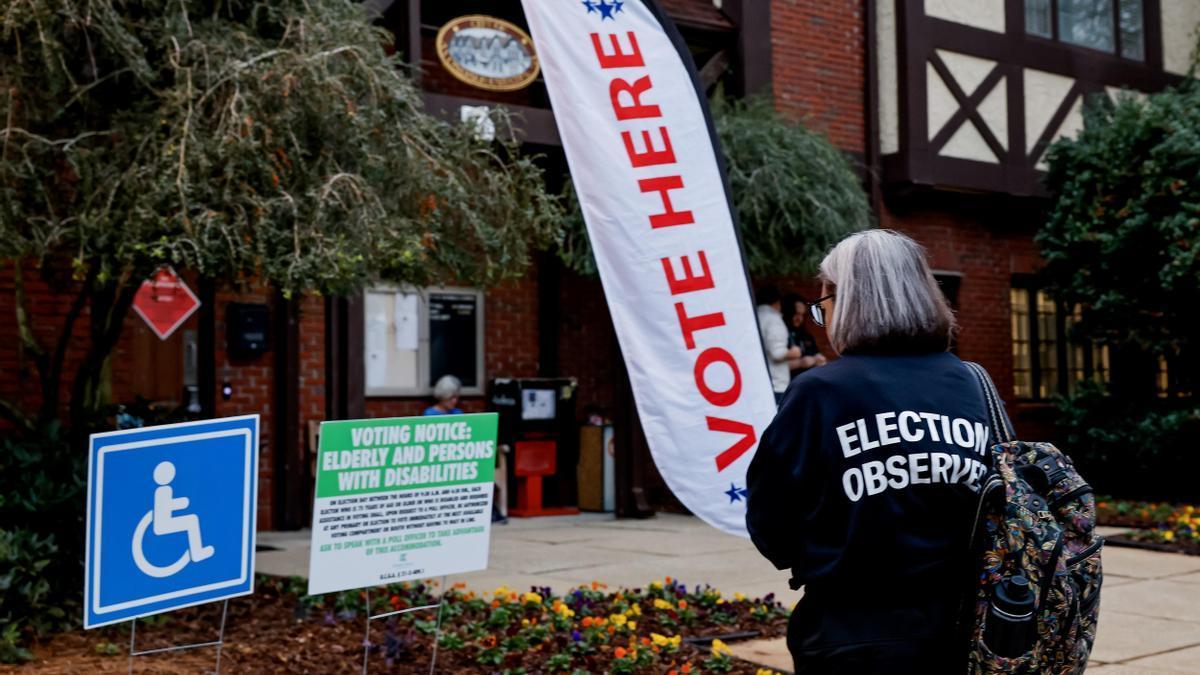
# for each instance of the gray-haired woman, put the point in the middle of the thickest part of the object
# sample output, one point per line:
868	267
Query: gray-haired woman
446	392
864	485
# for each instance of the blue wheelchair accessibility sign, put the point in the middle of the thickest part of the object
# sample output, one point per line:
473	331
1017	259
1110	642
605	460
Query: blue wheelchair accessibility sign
170	517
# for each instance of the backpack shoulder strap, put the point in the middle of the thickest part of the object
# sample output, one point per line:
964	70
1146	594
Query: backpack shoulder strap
999	421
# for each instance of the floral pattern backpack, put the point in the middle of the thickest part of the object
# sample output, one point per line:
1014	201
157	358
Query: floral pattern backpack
1036	518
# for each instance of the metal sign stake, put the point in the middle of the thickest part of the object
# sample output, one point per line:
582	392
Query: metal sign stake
437	632
218	643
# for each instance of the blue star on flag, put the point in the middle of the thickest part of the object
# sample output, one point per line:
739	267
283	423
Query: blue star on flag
607	9
735	493
591	6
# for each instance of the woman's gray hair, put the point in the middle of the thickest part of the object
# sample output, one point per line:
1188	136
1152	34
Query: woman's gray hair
447	387
887	298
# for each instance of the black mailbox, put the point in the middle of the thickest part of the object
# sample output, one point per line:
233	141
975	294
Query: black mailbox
247	329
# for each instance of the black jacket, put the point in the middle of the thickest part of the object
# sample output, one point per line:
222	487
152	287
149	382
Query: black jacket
866	482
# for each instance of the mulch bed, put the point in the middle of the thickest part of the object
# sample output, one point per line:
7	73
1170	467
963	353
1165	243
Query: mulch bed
664	628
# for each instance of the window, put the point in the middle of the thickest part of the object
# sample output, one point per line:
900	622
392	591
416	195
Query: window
1167	382
1045	361
1113	26
950	283
413	336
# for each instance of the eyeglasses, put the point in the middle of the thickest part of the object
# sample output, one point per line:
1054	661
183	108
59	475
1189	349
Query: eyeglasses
816	311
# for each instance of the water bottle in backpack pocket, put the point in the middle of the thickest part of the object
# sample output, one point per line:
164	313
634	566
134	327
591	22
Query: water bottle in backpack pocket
1009	629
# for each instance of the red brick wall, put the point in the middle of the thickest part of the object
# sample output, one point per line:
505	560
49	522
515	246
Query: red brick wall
587	344
818	72
253	384
312	364
19	382
987	247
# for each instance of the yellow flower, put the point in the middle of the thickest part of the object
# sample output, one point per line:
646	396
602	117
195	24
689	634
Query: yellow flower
721	601
1168	535
738	597
564	611
618	619
664	641
635	610
720	649
655	585
501	592
632	625
766	671
532	597
659	603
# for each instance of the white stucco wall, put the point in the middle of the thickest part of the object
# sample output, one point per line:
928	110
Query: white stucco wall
968	72
1044	92
886	63
985	14
1180	19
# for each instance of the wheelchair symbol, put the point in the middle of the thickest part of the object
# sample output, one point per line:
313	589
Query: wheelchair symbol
162	517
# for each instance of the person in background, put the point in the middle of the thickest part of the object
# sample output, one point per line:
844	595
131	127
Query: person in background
775	339
446	391
794	311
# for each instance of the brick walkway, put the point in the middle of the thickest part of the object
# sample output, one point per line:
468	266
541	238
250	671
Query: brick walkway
1150	616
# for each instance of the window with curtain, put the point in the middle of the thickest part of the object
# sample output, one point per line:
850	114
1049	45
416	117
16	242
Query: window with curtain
1113	26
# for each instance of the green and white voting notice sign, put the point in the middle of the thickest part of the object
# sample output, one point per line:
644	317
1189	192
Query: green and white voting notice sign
401	498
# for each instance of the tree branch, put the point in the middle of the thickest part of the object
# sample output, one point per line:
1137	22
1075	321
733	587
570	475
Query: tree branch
109	305
52	381
29	340
10	412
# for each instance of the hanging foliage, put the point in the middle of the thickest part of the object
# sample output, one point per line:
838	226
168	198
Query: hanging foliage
243	139
795	193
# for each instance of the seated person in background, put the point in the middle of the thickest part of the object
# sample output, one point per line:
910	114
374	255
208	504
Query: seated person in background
446	391
795	309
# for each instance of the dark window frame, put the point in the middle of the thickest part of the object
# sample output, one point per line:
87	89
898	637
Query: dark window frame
1151	34
1063	343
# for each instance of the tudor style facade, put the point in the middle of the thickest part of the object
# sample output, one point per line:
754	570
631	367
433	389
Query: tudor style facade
971	94
947	106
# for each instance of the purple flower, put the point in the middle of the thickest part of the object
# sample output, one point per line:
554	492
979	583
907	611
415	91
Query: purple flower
576	635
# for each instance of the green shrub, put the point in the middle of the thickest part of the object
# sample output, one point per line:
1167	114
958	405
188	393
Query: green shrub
41	540
1133	448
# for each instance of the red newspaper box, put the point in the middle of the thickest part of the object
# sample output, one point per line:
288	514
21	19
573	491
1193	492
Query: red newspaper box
532	460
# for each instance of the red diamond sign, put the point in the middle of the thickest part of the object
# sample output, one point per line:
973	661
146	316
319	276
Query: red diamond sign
164	302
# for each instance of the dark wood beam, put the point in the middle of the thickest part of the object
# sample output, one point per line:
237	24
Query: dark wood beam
753	69
287	454
413	53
